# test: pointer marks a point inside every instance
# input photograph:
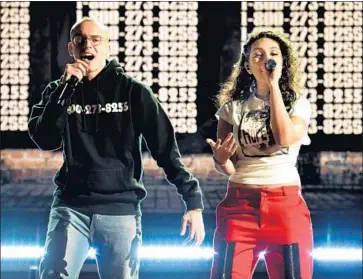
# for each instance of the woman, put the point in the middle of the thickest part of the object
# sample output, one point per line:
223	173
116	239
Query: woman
263	120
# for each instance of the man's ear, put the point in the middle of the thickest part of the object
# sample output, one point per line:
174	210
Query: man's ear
247	67
70	49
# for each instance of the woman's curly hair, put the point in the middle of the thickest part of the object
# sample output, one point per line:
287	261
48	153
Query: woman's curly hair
240	85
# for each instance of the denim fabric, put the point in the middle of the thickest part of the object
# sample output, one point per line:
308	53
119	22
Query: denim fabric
70	235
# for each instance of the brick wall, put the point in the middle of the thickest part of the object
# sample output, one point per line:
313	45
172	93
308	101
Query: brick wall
327	169
33	165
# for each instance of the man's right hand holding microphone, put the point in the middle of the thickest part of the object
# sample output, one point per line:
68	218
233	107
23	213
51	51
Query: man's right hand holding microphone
73	73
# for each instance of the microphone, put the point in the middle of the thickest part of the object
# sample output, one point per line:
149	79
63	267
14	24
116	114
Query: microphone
71	84
68	89
270	65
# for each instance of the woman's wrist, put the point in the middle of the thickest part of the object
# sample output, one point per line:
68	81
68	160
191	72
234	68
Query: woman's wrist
219	163
274	87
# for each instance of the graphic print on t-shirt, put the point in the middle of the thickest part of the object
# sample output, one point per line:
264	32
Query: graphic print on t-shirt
256	138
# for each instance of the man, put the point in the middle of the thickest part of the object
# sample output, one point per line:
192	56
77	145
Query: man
100	127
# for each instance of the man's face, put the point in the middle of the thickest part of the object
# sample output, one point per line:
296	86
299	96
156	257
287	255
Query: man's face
90	40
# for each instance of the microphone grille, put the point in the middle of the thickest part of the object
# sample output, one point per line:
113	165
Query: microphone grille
270	64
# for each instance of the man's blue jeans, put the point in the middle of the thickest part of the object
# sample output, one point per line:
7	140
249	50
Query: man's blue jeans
70	235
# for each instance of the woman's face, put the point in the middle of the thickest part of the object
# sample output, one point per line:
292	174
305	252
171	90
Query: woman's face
262	50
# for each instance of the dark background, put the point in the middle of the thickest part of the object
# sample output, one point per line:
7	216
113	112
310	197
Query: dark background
219	27
330	167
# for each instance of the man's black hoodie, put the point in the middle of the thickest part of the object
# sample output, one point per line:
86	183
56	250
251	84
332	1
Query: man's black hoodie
101	128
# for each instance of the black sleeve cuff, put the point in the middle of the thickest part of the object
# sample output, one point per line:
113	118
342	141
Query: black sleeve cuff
195	202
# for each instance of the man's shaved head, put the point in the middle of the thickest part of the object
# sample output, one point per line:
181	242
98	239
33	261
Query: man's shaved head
76	27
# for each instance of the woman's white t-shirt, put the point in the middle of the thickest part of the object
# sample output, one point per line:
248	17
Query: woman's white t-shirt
259	159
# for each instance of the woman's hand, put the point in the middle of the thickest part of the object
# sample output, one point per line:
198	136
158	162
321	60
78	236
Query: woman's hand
272	77
222	151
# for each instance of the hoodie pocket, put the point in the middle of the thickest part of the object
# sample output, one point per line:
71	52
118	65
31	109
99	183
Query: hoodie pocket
106	181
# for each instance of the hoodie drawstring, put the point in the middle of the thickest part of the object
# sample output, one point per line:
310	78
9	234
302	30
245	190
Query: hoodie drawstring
83	114
110	66
98	105
84	124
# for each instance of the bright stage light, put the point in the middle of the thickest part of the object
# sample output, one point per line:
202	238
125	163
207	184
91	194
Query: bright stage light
337	254
175	253
145	252
165	253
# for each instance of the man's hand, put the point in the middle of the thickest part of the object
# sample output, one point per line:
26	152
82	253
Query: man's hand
193	219
78	69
